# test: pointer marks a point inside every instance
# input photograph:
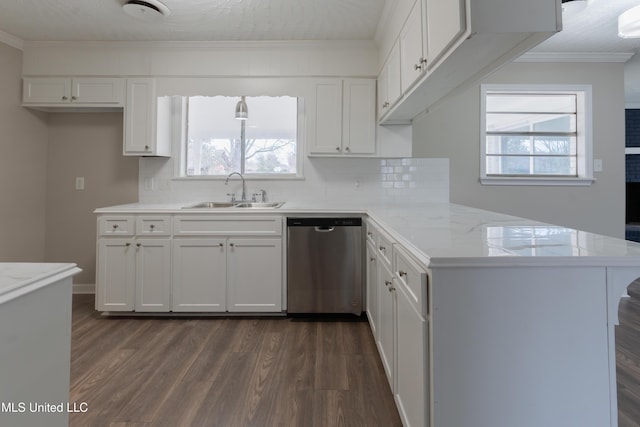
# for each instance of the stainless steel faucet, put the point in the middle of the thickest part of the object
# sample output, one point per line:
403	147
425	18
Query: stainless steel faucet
243	197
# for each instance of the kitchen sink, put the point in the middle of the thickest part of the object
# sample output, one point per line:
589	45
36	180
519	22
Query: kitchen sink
210	205
245	205
259	205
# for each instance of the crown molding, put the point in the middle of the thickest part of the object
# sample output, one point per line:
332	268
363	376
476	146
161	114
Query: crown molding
575	57
11	40
213	45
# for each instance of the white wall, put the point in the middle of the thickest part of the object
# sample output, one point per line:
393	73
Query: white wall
452	130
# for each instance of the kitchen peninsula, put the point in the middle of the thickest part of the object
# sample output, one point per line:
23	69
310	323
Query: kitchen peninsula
513	319
35	331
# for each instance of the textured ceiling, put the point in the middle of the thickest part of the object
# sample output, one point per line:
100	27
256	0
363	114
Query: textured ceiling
192	20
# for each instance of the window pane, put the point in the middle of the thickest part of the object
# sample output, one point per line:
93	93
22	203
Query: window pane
531	103
271	136
519	122
510	144
214	136
505	165
553	145
554	166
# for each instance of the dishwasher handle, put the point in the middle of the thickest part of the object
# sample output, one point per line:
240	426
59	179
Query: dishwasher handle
324	229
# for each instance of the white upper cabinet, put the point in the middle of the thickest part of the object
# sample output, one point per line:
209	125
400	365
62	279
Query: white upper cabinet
412	48
445	45
72	92
389	89
342	118
445	22
140	113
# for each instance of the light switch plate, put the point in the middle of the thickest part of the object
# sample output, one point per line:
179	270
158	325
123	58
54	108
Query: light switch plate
79	182
597	165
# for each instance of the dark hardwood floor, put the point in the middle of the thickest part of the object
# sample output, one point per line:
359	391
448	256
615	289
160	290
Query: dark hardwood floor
628	359
135	372
225	372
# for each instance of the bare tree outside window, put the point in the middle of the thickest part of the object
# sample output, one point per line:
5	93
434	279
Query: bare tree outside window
215	143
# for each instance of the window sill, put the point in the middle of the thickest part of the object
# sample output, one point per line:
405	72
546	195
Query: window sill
537	181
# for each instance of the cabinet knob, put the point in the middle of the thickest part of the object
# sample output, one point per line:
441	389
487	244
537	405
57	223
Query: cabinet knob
73	98
115	226
127	244
372	258
221	245
387	283
386	104
152	226
402	273
391	289
417	67
231	244
337	148
64	98
138	245
347	149
146	147
382	248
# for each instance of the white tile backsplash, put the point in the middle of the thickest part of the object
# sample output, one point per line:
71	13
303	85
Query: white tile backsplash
330	179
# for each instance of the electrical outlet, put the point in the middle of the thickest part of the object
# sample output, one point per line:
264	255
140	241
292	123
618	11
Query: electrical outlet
79	182
148	184
597	165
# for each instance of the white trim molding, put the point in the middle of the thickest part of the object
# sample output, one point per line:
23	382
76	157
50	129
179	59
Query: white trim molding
575	57
11	40
84	288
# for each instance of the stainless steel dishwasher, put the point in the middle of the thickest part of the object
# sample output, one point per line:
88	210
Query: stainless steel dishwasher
324	265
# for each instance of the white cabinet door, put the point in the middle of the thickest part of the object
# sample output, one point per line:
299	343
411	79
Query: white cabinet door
140	120
45	90
77	91
394	88
412	381
386	322
199	275
446	21
372	288
326	117
96	91
383	90
153	274
115	284
359	116
343	118
254	273
411	47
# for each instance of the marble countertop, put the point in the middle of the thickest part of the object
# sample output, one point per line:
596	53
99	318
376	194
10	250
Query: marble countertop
18	278
446	234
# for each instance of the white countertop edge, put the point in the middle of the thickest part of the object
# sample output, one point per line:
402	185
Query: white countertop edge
40	280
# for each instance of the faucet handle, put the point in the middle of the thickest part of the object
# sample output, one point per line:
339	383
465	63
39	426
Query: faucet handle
263	195
233	197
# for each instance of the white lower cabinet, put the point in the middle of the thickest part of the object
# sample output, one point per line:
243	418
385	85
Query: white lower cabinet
373	312
397	306
412	373
254	275
386	338
133	274
230	274
199	275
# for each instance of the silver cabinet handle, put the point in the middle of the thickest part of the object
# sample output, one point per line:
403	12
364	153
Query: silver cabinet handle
391	289
64	98
387	283
372	258
382	248
402	273
417	67
115	226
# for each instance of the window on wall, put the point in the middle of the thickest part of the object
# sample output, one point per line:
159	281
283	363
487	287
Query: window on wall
536	135
215	143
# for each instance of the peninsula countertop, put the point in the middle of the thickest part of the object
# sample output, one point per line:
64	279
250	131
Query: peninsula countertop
447	234
19	278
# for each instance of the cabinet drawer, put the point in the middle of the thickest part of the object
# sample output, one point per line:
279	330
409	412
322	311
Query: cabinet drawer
158	225
116	225
384	247
372	233
412	277
224	225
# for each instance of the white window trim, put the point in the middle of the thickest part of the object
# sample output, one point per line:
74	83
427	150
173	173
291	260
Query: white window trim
585	145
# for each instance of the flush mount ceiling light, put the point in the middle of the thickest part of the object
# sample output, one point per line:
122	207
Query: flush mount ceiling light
149	10
629	23
242	113
573	6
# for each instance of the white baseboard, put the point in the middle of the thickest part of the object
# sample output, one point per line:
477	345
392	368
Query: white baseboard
80	288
